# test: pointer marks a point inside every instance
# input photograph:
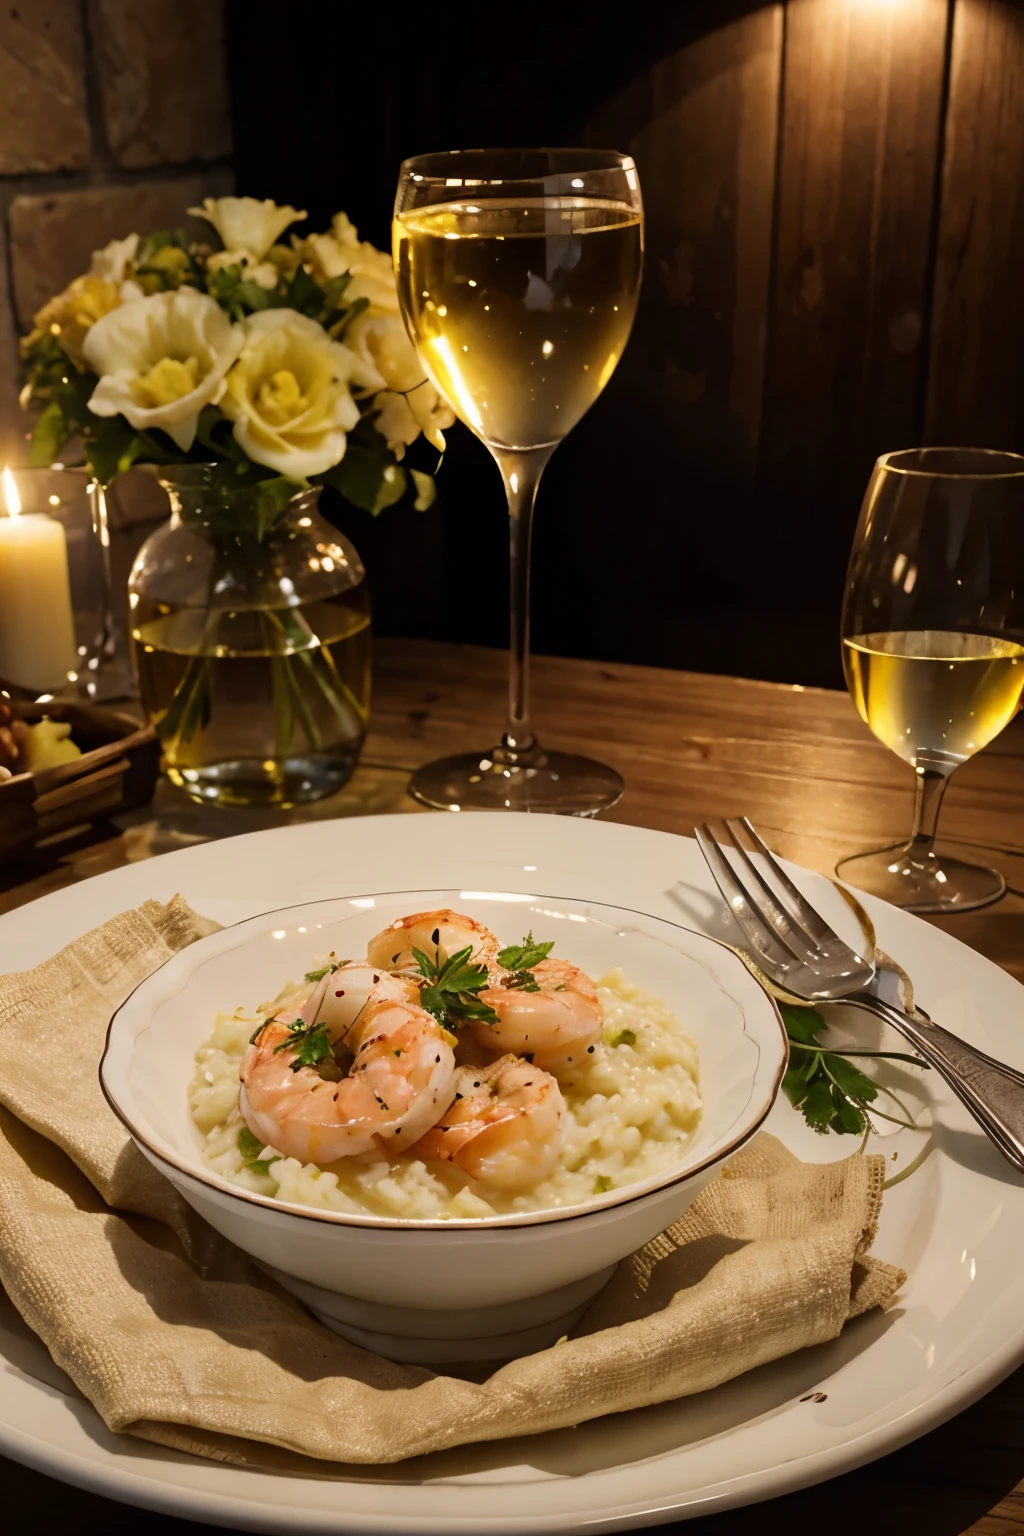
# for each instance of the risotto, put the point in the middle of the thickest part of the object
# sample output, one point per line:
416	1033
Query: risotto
632	1105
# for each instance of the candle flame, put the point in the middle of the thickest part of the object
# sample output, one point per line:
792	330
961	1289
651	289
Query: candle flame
12	501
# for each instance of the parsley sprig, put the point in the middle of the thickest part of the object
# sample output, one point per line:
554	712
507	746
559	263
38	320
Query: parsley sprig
310	1042
831	1093
520	959
451	985
325	970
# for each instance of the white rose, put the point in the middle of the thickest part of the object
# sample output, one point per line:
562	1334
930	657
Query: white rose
387	358
246	224
254	270
111	264
340	251
161	359
288	394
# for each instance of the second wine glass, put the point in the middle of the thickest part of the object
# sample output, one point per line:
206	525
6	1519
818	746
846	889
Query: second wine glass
518	275
933	645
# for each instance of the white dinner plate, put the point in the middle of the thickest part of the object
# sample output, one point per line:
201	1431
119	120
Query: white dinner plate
956	1224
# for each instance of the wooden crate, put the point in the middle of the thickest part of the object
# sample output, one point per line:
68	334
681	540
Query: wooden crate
117	771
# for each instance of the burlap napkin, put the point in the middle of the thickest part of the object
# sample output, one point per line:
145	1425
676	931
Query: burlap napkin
175	1337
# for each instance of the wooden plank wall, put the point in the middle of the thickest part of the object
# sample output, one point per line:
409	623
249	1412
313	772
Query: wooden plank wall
835	196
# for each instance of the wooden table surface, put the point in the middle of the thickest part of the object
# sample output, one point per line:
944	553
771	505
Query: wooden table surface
809	773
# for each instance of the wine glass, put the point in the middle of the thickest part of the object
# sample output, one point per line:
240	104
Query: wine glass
518	274
933	645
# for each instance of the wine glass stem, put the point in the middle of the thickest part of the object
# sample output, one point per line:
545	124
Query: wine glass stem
931	786
521	471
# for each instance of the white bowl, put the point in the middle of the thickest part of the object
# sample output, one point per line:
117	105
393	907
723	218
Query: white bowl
456	1289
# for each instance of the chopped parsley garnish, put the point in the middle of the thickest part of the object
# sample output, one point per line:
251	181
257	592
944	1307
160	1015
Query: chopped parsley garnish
520	959
627	1037
602	1184
830	1092
325	970
524	956
450	988
310	1042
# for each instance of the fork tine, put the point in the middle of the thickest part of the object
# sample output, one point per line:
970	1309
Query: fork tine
810	918
789	929
775	958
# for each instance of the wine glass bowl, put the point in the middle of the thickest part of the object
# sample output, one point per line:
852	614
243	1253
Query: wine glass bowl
933	645
518	275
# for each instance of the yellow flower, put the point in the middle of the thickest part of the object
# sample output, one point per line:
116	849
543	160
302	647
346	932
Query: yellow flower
246	224
161	359
167	381
409	403
113	263
288	394
341	250
263	272
72	314
403	417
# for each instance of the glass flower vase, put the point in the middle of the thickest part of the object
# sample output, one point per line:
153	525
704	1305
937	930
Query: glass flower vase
250	634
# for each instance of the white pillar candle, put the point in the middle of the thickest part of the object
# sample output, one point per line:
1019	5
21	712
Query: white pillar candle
37	629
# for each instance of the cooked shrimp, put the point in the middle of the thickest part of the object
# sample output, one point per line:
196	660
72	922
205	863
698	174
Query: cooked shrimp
431	931
399	1081
504	1127
554	1026
347	991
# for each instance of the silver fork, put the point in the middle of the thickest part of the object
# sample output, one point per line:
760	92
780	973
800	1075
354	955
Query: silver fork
795	948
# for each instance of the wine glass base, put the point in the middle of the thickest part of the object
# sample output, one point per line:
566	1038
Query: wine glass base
930	884
559	783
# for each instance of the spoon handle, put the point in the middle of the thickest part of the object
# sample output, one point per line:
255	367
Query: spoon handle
990	1090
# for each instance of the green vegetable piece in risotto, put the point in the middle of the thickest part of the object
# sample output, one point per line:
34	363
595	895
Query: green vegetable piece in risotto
602	1184
626	1037
249	1145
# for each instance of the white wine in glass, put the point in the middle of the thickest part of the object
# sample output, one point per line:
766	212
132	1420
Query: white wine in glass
518	275
933	645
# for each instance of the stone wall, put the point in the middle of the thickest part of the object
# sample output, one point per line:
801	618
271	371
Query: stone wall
114	117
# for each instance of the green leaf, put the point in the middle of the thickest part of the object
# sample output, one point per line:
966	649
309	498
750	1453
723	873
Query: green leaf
802	1024
305	294
451	985
51	432
522	981
848	1120
796	1080
627	1037
369	480
426	490
325	970
310	1042
848	1078
338	321
818	1108
334	288
270	498
249	1145
524	956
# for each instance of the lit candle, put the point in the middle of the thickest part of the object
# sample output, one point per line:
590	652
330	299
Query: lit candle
37	629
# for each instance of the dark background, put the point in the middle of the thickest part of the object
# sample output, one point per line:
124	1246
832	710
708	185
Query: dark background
835	245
